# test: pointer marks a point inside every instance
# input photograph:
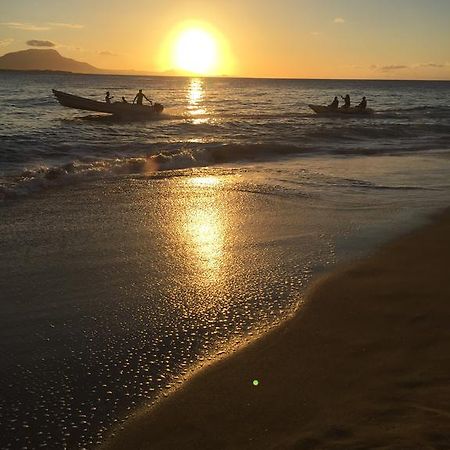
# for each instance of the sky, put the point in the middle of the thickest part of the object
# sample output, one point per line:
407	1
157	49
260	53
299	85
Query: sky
387	39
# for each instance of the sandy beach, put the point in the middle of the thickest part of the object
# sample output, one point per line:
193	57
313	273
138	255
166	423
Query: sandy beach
364	364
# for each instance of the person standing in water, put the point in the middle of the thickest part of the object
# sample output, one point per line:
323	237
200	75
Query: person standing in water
346	101
140	97
108	97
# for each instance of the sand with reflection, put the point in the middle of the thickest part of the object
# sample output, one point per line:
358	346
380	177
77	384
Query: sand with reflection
364	365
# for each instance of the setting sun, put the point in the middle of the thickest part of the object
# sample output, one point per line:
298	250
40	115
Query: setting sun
195	48
196	51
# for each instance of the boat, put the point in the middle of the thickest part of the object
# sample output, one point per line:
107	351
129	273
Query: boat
118	109
328	110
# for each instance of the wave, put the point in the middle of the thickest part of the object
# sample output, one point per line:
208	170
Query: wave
416	112
441	108
36	179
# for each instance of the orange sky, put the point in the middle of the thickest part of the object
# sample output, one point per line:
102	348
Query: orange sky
257	38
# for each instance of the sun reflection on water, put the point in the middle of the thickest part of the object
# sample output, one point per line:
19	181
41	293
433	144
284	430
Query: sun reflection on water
204	181
205	229
206	234
195	91
195	95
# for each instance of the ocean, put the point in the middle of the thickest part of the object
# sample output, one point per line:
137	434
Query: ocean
206	122
133	253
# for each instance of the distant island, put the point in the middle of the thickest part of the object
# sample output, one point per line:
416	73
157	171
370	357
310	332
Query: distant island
50	60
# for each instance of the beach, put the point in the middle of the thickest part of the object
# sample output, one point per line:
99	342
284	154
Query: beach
364	363
136	254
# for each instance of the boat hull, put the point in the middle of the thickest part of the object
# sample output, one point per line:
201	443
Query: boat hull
119	109
327	110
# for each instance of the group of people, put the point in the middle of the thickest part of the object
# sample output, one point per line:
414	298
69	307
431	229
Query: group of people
138	99
347	103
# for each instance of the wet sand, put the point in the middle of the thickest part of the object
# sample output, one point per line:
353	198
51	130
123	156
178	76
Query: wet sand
364	364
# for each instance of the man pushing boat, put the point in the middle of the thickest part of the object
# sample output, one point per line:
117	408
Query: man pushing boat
140	98
119	109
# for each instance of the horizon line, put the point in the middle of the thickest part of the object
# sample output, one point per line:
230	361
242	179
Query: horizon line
228	77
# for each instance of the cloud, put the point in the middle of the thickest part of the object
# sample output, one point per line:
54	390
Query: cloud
25	26
392	68
37	43
107	53
5	42
73	26
433	65
415	67
316	33
339	20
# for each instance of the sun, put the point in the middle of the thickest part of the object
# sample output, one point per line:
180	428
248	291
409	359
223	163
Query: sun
195	47
196	50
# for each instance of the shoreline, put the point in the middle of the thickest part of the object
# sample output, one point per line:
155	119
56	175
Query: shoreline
363	364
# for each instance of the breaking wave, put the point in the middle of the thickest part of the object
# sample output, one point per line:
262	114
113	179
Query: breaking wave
41	177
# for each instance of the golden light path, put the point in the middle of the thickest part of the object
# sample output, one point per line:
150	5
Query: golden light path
195	95
195	91
204	228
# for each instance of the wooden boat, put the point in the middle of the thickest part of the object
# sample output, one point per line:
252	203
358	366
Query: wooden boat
328	110
119	109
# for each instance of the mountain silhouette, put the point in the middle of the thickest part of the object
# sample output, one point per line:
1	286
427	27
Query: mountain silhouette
51	60
48	59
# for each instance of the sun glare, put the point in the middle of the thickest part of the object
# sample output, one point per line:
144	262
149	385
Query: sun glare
196	48
196	51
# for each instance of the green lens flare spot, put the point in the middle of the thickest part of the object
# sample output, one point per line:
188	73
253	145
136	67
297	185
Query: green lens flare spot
255	382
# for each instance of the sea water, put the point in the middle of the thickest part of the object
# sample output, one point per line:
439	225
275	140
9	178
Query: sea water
133	252
206	122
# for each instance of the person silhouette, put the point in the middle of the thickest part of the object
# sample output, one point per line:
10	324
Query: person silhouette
140	97
363	103
346	101
108	97
334	104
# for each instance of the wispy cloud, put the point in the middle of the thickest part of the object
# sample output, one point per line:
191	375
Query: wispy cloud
393	67
73	26
25	26
5	42
432	65
339	20
107	53
316	33
38	43
400	67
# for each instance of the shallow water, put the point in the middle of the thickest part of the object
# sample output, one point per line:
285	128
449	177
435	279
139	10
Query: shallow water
121	271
